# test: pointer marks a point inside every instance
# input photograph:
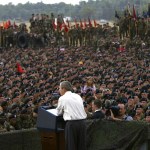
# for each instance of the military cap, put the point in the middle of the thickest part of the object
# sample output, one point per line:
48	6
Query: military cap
143	99
147	114
138	106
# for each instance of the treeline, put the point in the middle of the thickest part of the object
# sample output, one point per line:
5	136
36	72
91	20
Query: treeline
99	9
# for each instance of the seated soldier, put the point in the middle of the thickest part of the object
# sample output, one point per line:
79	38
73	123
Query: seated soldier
147	117
139	112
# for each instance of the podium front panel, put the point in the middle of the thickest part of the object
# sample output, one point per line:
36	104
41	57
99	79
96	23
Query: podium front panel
48	121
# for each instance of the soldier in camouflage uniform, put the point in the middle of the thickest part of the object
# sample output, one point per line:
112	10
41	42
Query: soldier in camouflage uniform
126	26
58	37
33	36
4	37
132	28
65	34
148	30
87	36
10	37
70	34
74	36
99	31
26	120
114	30
79	36
141	28
1	36
32	21
121	28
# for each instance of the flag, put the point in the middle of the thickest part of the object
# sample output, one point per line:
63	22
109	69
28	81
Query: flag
64	25
95	23
54	25
66	28
60	26
128	9
5	25
116	15
9	23
14	25
20	69
81	24
85	25
121	48
134	13
90	24
76	23
68	23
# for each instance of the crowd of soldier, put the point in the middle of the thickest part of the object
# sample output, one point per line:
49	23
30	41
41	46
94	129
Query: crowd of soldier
44	31
116	73
131	27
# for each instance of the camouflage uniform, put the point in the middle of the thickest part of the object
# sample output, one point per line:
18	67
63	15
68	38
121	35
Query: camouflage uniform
26	121
1	37
121	28
70	34
9	37
141	28
132	28
148	31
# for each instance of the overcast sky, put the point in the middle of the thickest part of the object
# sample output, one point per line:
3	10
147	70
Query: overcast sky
3	2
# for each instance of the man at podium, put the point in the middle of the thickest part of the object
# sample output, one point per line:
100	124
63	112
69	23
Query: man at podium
71	106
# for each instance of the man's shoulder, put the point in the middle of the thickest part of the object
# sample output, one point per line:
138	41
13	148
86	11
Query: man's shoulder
128	118
98	114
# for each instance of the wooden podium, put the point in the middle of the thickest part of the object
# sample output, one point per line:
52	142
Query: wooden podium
51	129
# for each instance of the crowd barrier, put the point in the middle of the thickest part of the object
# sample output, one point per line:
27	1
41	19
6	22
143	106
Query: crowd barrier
28	139
101	135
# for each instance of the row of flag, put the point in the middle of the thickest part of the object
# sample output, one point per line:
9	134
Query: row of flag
66	25
7	24
80	23
134	15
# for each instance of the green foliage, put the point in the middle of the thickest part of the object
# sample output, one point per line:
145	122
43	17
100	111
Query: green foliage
98	9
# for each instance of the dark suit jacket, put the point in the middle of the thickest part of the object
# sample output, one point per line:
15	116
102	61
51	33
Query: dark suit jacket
98	115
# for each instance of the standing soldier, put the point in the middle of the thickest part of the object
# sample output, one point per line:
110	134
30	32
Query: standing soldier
121	28
115	30
87	36
58	36
99	31
80	36
126	26
36	20
52	19
141	28
132	28
59	22
148	29
70	34
75	36
66	35
1	39
32	21
4	37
